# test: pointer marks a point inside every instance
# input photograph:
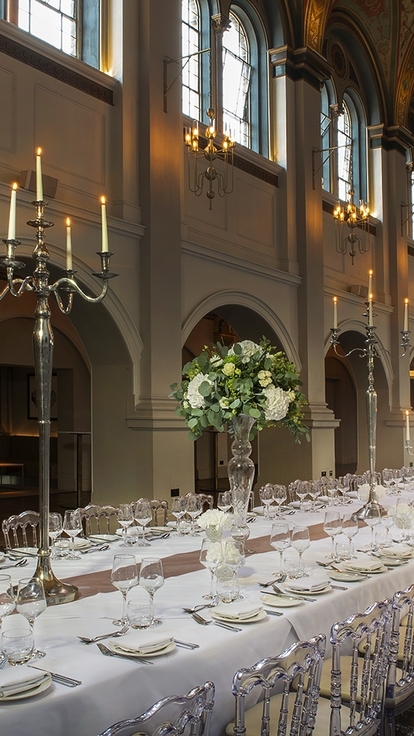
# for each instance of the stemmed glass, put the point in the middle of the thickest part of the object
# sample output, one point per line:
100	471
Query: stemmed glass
300	540
7	602
143	515
234	558
350	528
72	525
302	490
31	602
372	519
194	509
211	555
224	501
280	538
125	516
279	497
315	490
151	577
124	576
332	526
331	489
179	510
55	529
266	497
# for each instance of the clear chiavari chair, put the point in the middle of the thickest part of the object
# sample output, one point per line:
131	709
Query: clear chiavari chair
99	519
177	715
399	692
206	500
296	672
20	530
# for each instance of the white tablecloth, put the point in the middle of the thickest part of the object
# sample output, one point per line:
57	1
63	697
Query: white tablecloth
113	689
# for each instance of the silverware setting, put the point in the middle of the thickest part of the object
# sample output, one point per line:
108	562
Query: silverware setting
279	579
56	677
199	607
108	653
112	634
20	563
277	591
186	644
94	548
203	621
273	613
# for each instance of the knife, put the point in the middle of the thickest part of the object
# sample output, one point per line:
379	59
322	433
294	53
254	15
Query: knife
61	679
288	595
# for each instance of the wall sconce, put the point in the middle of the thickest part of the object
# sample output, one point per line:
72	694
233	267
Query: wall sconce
353	217
407	212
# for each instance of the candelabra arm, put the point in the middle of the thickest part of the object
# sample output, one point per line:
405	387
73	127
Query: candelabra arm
70	286
26	284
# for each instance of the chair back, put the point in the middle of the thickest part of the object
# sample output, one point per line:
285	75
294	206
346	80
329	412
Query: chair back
207	501
360	675
296	671
99	519
177	715
159	511
400	680
20	530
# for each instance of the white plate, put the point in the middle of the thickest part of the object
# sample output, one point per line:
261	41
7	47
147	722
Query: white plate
277	601
158	653
322	591
29	693
103	537
346	577
231	620
392	561
366	571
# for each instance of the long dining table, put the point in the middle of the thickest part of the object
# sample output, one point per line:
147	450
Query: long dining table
113	689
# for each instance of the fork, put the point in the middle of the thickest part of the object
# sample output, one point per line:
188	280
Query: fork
113	635
281	592
279	579
21	563
199	607
109	653
203	621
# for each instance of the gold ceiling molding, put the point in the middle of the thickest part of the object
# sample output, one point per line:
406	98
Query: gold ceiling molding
405	89
316	14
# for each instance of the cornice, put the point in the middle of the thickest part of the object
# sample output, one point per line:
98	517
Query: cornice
300	64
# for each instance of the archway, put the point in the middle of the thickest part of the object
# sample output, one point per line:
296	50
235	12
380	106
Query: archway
341	398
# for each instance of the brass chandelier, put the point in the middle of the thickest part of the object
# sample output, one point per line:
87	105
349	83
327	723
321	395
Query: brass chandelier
354	217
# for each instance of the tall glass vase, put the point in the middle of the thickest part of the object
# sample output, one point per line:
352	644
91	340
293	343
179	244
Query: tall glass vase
241	467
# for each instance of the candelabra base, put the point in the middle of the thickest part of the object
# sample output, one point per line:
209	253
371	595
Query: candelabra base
56	592
370	510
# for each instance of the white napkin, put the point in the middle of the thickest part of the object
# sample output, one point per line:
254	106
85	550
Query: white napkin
143	642
398	550
312	584
12	684
238	610
364	565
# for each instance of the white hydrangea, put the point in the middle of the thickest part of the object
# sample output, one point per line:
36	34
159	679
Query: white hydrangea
194	398
277	403
363	492
215	553
213	517
249	348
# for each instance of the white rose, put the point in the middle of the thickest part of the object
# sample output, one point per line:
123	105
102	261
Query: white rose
363	492
277	403
248	348
195	399
228	369
213	517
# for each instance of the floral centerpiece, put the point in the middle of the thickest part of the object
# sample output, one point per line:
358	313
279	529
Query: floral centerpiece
255	380
213	521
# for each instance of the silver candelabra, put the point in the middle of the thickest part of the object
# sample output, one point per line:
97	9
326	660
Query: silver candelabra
43	341
371	351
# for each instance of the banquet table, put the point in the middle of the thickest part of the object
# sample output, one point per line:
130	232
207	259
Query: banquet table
113	689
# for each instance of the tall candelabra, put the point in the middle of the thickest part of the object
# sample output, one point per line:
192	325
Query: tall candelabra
371	351
43	341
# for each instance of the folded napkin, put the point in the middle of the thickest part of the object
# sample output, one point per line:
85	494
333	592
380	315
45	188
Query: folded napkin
238	610
397	550
13	684
104	537
143	642
312	584
364	565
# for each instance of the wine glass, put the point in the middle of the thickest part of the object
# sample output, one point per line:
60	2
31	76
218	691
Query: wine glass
350	528
55	529
143	515
72	525
125	516
302	490
372	519
124	575
194	509
179	510
234	558
279	496
7	602
315	490
300	540
31	602
332	526
224	501
280	538
331	489
211	555
151	577
266	497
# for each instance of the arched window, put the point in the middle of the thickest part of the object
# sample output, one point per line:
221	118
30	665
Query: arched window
237	72
191	71
344	153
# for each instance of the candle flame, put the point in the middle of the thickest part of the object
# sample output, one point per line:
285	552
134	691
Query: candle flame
370	272
370	297
68	222
407	413
405	301
335	299
14	186
38	152
103	200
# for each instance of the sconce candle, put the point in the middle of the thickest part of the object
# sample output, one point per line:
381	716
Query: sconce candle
405	328
39	182
335	317
370	273
104	226
407	426
68	245
11	235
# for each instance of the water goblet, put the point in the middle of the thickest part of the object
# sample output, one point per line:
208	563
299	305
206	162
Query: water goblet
302	490
211	555
7	602
280	538
331	490
55	530
234	559
143	515
31	602
315	490
266	497
179	510
224	501
387	520
151	577
72	525
124	575
332	526
350	528
279	496
372	518
194	509
300	540
403	516
125	516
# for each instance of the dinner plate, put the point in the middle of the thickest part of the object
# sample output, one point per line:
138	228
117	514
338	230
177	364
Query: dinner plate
277	601
44	685
392	561
346	576
366	570
158	653
231	620
322	591
104	537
